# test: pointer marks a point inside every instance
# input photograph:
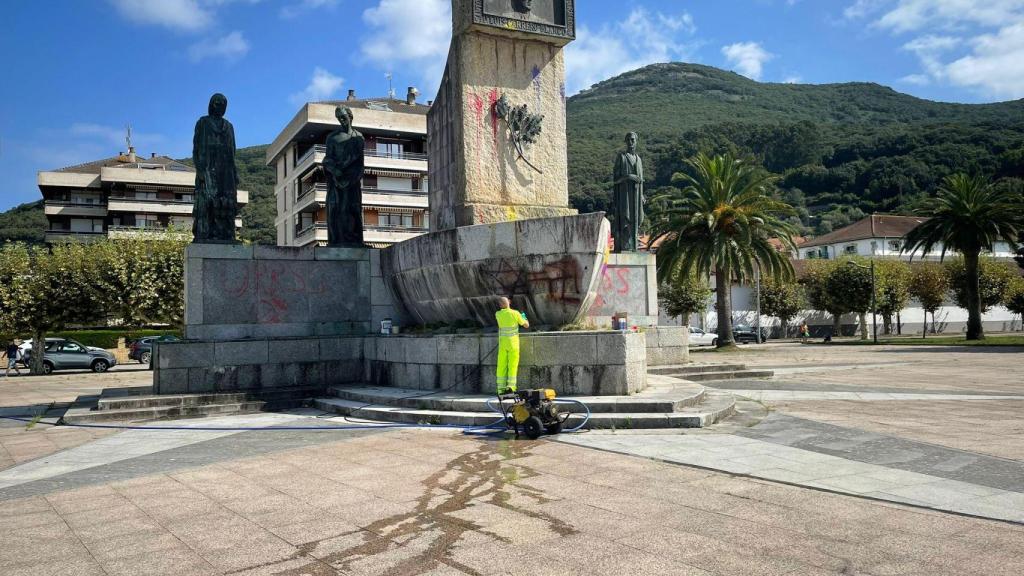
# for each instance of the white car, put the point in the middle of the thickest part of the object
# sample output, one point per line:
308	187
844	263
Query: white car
699	337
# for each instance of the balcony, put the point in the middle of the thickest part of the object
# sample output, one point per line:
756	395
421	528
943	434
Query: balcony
312	157
373	196
149	205
310	234
311	195
413	161
391	234
72	208
57	236
148	231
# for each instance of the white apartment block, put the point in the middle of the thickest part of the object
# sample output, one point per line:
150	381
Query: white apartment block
123	195
395	185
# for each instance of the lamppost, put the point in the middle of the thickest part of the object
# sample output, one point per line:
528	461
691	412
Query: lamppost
874	307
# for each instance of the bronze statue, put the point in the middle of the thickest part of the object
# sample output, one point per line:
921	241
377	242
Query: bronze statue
216	198
522	6
344	165
628	197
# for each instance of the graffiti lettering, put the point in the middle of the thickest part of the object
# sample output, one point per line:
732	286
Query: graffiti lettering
559	281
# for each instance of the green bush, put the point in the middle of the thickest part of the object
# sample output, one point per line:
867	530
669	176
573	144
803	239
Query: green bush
108	338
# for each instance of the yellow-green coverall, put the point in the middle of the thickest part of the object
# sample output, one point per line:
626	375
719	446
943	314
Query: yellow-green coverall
509	321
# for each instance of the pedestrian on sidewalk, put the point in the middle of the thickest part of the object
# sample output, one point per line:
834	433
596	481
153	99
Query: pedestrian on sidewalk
11	355
805	332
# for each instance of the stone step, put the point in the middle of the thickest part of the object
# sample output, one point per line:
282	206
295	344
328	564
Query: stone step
658	398
167	401
686	369
88	416
732	375
715	407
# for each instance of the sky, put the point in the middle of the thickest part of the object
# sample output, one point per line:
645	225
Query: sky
77	72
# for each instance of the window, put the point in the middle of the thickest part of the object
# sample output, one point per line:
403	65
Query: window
395	220
389	149
811	254
850	249
895	245
71	347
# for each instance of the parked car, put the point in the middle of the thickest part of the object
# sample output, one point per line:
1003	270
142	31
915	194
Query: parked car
142	349
699	337
25	349
744	334
67	354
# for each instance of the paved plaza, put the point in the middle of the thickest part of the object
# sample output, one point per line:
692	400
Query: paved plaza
852	460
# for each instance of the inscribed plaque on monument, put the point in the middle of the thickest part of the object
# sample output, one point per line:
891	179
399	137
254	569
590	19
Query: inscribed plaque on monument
546	17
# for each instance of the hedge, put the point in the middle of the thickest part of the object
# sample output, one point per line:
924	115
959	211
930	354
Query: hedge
108	338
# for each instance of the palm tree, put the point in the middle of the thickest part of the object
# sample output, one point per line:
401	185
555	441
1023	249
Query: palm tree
969	215
720	222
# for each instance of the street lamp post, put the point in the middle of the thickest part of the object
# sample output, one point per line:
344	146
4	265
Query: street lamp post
874	305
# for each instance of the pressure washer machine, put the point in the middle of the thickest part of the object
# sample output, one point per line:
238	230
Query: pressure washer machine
534	411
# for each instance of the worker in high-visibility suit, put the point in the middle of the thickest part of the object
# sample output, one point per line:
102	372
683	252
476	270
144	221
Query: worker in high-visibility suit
509	321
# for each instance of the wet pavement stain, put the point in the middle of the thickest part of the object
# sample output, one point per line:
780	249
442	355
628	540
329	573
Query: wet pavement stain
481	476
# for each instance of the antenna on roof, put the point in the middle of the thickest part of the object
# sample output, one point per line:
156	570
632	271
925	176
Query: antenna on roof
128	137
391	90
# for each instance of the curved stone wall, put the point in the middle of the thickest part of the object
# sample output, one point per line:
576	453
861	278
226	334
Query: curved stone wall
549	267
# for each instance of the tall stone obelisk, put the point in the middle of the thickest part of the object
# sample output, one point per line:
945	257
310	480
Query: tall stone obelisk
479	174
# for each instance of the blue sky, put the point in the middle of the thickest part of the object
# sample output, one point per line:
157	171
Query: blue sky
77	71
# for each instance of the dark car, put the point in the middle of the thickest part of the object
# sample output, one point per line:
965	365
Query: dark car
66	354
142	349
744	334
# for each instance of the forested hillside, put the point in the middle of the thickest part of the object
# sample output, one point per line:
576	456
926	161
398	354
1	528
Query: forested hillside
841	150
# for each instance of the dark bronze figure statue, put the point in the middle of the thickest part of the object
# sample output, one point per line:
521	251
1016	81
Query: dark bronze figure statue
216	197
522	6
628	197
344	166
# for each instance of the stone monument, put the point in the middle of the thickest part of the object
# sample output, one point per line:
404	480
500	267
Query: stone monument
628	197
216	198
343	163
481	172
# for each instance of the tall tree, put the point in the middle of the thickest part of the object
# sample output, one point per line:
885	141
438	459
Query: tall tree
782	299
969	215
45	289
141	278
892	286
1015	299
720	222
815	282
994	278
849	282
684	296
929	283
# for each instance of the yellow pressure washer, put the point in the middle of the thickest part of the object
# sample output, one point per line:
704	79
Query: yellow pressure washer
533	410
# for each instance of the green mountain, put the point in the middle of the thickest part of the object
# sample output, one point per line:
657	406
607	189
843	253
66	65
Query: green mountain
841	149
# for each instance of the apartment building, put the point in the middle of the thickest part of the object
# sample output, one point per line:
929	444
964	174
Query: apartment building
118	196
394	186
877	235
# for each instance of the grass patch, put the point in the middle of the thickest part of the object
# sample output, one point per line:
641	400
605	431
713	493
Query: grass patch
934	341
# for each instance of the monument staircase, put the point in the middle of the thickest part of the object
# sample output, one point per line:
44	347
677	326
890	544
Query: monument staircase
710	372
140	404
667	402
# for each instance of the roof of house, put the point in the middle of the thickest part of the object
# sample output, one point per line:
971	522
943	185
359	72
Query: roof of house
386	104
121	161
874	226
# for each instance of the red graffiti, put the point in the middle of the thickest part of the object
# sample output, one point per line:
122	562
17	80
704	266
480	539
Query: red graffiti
272	286
559	281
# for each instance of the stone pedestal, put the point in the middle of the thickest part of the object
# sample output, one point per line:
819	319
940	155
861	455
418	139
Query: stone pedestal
476	176
237	292
628	283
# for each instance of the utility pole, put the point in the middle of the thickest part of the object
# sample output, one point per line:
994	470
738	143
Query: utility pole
874	306
757	296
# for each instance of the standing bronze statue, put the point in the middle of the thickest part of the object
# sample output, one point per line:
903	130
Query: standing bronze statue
628	197
344	166
216	197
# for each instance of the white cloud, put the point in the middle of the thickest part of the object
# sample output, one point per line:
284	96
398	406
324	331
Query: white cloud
409	32
747	58
917	79
996	64
793	79
982	47
863	8
642	38
298	8
230	47
322	86
185	15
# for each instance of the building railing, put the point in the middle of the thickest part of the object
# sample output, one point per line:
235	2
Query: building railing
375	153
100	204
377	190
316	148
308	229
371	152
149	200
69	231
307	190
395	228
